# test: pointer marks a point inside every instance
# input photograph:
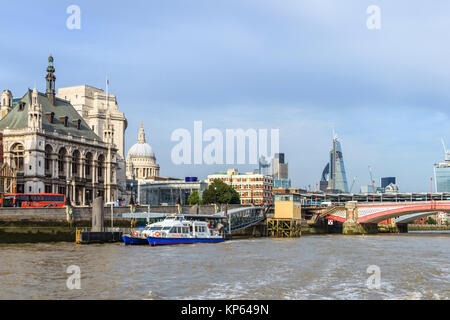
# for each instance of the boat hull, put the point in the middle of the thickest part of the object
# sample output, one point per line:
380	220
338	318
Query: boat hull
130	240
168	241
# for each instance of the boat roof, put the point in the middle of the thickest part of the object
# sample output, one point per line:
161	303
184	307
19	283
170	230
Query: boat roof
142	215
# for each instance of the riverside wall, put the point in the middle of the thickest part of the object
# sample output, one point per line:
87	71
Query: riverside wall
21	225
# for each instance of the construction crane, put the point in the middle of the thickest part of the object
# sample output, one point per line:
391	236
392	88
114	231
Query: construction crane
446	152
353	183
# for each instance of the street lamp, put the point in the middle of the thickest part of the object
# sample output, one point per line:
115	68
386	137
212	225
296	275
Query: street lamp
132	194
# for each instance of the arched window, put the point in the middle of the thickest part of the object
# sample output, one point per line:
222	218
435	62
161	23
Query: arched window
61	156
101	167
48	159
75	162
88	166
17	154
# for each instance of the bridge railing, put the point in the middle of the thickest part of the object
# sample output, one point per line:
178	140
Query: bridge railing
245	217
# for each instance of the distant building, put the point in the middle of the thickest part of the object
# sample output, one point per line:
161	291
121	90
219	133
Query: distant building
141	160
282	183
387	181
366	189
279	167
442	172
391	188
264	166
442	176
334	178
168	192
253	188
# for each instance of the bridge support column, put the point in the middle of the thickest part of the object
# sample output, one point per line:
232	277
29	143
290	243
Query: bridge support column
402	227
351	226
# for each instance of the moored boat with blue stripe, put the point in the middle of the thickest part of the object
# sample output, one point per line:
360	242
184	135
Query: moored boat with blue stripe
176	229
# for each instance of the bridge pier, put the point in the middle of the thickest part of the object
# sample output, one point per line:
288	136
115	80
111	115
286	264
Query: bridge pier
351	226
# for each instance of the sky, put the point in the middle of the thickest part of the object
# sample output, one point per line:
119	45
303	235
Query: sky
304	67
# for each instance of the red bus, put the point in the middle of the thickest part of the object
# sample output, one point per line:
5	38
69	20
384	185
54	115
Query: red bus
26	200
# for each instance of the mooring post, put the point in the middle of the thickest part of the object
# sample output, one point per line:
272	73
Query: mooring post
97	215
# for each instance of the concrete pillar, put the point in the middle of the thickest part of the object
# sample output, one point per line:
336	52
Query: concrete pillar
98	215
351	225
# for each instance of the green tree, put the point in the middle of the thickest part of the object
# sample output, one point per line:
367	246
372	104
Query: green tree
430	220
221	193
194	198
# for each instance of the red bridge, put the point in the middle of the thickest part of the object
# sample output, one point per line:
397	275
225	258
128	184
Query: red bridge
357	214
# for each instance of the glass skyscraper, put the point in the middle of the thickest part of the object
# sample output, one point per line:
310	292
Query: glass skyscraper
334	178
442	176
442	173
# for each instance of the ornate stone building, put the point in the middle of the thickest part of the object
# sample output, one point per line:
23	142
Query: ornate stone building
141	161
94	105
53	149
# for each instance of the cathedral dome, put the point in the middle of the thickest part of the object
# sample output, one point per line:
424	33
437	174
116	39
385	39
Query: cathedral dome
141	161
141	149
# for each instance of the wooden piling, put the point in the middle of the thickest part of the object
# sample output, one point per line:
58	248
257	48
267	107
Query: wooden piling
284	228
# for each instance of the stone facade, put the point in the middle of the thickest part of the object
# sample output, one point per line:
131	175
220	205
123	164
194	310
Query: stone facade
95	106
53	149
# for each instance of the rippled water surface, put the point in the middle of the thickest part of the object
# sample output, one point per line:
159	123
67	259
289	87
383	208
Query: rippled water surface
413	266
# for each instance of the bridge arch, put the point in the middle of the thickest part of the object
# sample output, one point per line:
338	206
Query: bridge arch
375	213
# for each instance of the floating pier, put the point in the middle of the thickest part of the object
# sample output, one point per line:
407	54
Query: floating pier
98	233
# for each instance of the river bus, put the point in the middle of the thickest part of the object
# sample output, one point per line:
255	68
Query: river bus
175	229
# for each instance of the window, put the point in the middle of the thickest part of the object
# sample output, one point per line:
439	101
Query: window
17	157
61	156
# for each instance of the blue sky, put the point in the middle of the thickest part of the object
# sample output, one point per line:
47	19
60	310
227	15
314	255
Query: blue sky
303	67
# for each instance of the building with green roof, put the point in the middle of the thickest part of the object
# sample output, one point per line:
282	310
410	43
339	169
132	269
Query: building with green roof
53	149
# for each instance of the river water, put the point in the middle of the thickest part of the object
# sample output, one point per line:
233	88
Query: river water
412	266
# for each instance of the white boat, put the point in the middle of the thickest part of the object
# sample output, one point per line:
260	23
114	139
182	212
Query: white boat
176	229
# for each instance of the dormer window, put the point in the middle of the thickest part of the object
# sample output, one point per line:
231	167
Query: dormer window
21	106
64	120
77	123
50	117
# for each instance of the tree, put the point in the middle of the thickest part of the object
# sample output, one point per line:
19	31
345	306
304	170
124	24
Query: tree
430	220
220	192
194	198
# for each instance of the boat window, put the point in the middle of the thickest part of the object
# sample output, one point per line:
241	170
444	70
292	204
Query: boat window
166	228
155	228
185	229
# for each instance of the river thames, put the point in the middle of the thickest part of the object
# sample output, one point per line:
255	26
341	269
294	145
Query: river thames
412	266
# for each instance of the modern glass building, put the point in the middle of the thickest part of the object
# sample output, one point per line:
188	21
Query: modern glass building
442	176
387	181
168	192
334	172
442	172
282	183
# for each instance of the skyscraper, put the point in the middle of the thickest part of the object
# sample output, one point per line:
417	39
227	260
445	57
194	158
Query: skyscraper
334	179
442	173
279	167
